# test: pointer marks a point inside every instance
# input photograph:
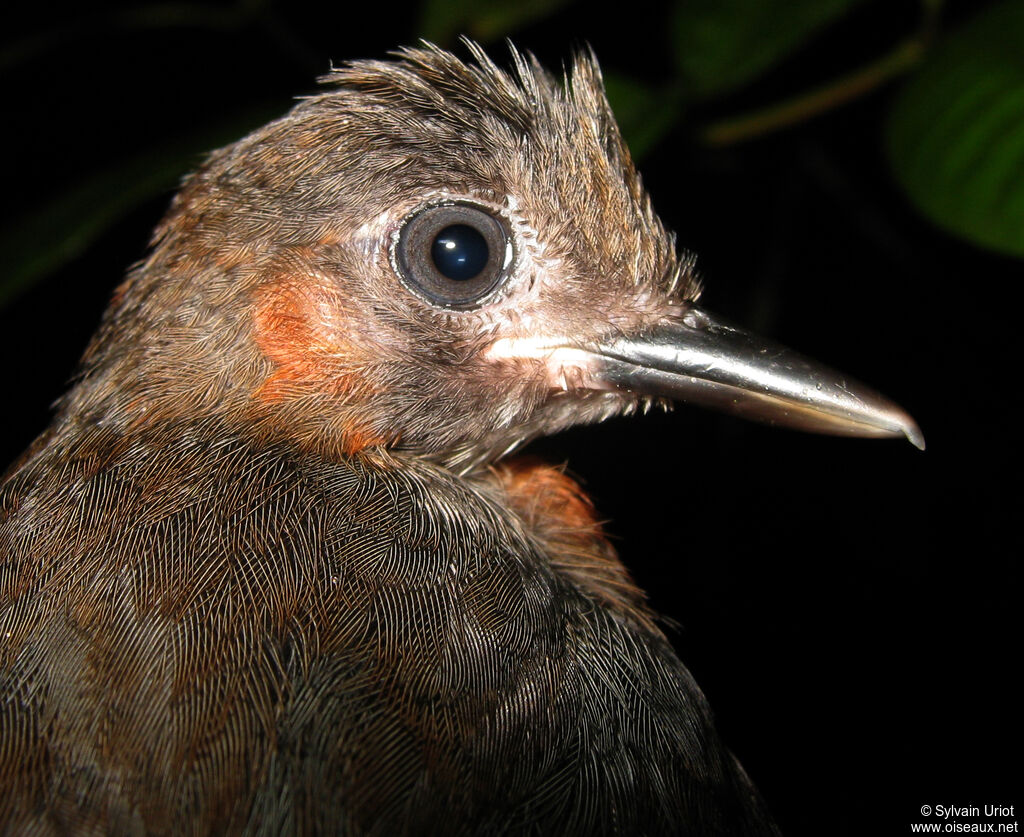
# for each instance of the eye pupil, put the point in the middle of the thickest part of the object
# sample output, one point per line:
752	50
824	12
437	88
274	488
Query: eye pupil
460	252
453	255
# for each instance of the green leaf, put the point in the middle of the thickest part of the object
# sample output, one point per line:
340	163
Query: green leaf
644	115
723	44
60	230
43	241
955	135
483	20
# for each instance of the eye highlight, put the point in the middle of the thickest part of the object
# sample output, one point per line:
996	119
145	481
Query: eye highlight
453	255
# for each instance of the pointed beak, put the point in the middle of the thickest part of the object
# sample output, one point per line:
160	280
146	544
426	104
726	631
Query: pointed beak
700	359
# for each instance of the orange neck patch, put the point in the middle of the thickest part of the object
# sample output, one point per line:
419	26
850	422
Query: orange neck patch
563	519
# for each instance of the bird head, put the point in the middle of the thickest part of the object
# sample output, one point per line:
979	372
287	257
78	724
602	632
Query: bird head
439	257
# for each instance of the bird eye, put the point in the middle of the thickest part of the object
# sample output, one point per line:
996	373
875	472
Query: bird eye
454	254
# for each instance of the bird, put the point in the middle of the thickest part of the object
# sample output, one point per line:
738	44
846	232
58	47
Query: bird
279	566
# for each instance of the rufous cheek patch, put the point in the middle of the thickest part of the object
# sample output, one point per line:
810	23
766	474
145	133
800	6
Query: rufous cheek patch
301	323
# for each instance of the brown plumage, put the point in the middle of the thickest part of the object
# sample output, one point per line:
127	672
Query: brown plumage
265	574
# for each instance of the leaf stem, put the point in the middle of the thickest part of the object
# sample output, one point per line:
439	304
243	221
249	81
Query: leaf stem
846	88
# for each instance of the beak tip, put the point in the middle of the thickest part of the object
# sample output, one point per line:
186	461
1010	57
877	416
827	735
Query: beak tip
914	434
898	422
903	424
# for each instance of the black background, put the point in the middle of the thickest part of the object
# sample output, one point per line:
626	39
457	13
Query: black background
850	607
